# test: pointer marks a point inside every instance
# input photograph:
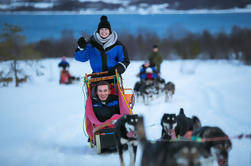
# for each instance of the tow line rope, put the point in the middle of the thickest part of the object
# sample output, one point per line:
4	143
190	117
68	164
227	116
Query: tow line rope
199	139
155	124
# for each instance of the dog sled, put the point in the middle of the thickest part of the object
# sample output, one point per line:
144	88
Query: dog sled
148	90
101	134
67	78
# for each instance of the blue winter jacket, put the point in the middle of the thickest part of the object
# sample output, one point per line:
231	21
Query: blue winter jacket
113	57
144	75
106	109
63	64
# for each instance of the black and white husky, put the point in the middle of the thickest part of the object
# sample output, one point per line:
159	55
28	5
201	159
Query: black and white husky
185	124
168	124
178	125
217	142
125	134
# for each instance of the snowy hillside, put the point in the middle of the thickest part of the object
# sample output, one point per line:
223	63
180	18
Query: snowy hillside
41	122
124	6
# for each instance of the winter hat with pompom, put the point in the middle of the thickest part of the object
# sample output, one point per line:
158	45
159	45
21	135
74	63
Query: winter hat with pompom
104	23
155	46
63	58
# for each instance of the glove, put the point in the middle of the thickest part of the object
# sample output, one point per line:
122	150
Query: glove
120	68
81	42
111	72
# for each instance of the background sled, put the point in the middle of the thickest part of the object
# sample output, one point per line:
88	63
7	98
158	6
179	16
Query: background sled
65	77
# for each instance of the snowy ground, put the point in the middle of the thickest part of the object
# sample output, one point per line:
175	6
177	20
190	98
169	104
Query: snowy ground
41	122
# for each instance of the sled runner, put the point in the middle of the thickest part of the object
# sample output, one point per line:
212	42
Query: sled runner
101	134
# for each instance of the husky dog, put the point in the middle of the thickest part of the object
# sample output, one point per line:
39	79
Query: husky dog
137	88
185	124
169	90
170	153
217	142
125	134
168	124
160	85
144	90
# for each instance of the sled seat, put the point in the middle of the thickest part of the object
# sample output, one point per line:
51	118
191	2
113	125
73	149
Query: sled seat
129	95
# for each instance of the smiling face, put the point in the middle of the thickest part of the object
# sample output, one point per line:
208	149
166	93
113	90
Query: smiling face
103	92
104	32
155	49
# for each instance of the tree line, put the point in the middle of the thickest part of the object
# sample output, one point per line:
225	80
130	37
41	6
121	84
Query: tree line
205	45
233	45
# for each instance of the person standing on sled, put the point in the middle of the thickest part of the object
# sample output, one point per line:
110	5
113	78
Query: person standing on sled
103	50
155	57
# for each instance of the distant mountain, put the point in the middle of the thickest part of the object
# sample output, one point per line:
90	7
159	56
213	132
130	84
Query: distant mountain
119	6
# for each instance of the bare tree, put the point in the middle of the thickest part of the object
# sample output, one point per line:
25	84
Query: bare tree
14	49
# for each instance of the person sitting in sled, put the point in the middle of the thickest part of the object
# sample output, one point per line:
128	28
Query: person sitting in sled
148	77
104	104
103	50
65	76
148	72
63	63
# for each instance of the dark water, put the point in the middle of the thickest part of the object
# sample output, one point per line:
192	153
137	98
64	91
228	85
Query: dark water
37	27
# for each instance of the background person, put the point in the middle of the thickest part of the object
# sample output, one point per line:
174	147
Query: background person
148	71
155	57
63	63
65	76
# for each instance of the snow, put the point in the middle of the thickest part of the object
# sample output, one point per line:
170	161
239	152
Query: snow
26	4
41	121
